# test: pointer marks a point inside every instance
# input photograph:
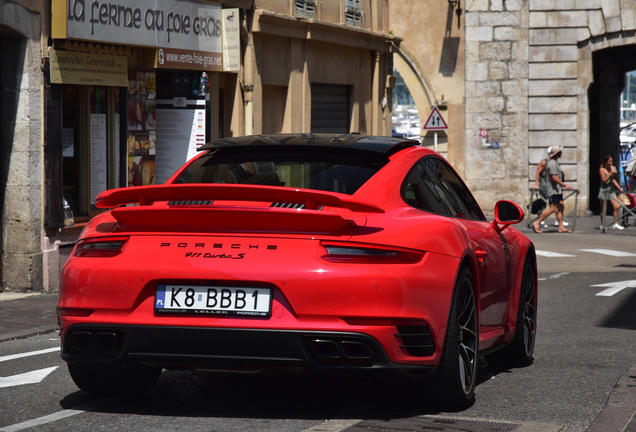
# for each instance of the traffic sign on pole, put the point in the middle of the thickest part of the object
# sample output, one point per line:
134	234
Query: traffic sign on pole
435	121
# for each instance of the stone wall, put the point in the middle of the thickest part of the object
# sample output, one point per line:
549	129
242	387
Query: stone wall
21	70
529	68
497	100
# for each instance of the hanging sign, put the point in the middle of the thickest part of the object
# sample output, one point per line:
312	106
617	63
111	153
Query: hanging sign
88	69
435	121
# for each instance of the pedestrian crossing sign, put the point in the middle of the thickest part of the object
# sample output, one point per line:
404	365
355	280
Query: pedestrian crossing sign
435	121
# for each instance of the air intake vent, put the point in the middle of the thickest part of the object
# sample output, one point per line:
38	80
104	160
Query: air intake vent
190	203
416	340
288	205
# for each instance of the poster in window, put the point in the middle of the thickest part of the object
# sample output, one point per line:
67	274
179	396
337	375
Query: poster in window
68	142
98	155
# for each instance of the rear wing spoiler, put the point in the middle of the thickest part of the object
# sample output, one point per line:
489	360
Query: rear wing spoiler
312	199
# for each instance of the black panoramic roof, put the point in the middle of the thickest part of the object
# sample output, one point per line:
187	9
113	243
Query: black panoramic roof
380	144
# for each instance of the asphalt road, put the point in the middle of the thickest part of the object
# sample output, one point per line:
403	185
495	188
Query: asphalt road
585	344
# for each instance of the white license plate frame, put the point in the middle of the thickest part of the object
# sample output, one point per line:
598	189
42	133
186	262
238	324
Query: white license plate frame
213	300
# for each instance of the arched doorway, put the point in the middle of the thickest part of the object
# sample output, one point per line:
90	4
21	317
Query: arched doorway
419	89
610	66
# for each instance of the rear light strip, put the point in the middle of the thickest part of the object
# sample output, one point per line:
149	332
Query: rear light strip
101	247
366	254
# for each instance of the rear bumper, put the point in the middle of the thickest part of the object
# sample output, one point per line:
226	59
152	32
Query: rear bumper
230	349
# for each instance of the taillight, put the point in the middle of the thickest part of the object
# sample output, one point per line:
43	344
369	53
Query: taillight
102	247
357	254
73	312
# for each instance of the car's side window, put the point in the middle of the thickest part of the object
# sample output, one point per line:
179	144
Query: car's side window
433	186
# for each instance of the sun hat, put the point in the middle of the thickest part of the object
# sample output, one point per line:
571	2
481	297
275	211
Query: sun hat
555	150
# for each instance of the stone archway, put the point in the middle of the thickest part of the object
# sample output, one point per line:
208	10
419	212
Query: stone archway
609	66
415	80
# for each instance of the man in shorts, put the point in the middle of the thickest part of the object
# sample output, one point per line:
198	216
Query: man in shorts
554	187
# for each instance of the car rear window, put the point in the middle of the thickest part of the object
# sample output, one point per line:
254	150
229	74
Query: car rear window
329	169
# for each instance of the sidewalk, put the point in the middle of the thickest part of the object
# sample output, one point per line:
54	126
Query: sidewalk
24	315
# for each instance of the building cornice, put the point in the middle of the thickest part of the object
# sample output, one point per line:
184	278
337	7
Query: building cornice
275	24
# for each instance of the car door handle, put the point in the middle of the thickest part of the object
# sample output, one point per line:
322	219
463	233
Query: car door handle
481	254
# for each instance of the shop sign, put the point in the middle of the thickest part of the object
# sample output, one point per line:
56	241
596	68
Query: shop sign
174	24
231	40
88	69
169	58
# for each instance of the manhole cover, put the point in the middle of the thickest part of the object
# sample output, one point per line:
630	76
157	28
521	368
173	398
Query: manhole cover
424	424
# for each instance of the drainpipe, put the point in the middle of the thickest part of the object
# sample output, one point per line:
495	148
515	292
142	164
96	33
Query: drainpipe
248	74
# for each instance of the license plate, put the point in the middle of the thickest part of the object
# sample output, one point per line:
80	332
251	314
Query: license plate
213	300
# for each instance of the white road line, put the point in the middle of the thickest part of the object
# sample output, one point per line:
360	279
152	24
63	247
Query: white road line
553	254
558	275
32	377
609	252
330	425
615	287
28	354
55	416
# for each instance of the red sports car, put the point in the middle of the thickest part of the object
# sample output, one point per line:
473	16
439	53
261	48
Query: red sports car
299	252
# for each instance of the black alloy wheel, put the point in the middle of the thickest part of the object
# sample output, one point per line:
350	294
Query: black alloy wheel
458	371
520	351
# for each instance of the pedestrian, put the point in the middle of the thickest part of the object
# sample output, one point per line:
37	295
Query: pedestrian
609	188
554	187
539	177
540	184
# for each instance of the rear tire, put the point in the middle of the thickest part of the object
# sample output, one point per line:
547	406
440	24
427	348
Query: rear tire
114	380
520	351
457	375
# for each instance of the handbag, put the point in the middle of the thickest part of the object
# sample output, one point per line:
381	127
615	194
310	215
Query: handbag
623	199
537	206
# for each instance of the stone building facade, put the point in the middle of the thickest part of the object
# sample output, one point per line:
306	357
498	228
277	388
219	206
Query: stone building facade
537	73
22	26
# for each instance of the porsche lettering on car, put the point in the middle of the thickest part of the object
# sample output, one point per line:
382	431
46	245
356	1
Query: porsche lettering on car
308	253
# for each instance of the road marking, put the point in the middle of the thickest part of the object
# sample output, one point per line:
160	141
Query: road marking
558	275
337	425
55	416
553	254
28	354
609	252
32	377
615	287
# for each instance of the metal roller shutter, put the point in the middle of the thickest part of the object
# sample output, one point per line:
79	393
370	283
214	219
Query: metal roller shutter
329	108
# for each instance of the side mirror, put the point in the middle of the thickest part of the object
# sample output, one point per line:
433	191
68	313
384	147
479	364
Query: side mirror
507	213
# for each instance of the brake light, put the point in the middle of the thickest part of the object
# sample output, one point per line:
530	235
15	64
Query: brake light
392	322
73	312
103	247
356	254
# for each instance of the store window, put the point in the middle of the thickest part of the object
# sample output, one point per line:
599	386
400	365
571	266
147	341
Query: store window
91	150
141	124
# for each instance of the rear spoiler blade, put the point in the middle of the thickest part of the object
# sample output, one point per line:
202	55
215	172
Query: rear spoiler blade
224	219
312	199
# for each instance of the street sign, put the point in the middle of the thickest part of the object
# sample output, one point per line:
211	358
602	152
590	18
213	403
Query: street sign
435	121
483	133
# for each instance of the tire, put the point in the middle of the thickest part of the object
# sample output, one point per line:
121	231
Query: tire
520	351
457	374
114	380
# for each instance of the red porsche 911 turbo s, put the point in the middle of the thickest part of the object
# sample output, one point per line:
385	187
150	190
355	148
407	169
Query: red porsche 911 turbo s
314	253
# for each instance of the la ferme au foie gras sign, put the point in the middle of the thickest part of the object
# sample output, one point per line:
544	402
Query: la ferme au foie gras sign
187	34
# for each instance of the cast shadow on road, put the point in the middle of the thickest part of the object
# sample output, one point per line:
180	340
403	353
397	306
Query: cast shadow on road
622	317
201	394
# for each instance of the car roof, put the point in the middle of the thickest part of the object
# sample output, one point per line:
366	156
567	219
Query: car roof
381	144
